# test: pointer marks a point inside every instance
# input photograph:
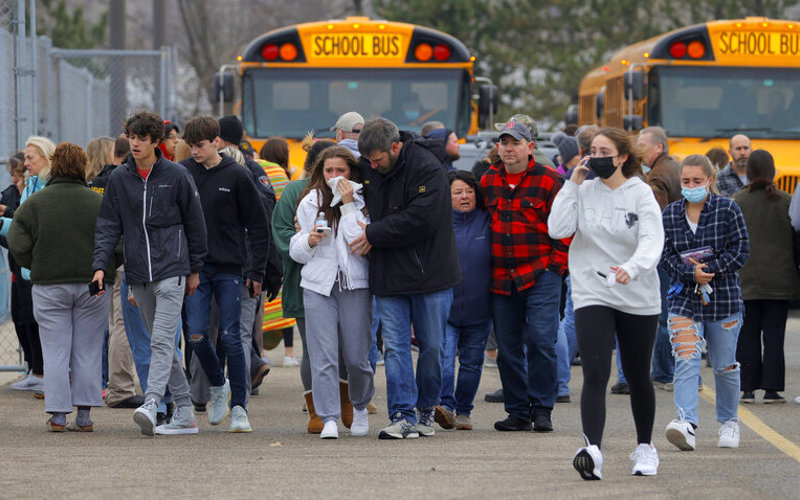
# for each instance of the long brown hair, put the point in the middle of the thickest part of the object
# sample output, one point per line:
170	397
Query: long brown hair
324	192
761	173
625	146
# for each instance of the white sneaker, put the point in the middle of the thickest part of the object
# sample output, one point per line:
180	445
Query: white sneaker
183	422
239	421
290	361
729	435
588	461
23	383
360	425
645	460
145	417
330	430
681	434
218	405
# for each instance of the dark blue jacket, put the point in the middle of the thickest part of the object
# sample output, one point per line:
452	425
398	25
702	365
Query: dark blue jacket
471	296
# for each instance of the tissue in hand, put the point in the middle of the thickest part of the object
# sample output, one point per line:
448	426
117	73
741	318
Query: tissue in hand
337	196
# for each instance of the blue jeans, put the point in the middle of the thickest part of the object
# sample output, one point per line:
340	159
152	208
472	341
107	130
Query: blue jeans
139	340
663	369
528	318
468	342
567	343
428	312
721	338
227	291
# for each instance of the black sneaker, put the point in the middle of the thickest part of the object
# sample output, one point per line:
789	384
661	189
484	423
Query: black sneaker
564	399
541	420
513	423
132	402
772	397
620	388
748	398
495	397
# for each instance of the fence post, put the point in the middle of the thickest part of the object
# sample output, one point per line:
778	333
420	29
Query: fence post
34	71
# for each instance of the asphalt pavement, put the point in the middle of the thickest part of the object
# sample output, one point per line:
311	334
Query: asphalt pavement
280	460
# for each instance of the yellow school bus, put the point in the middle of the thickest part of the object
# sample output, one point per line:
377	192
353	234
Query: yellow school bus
705	83
302	77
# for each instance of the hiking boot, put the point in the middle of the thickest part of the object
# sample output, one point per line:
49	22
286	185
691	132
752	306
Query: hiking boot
681	434
183	422
145	417
425	422
400	428
512	423
729	434
444	417
239	421
218	405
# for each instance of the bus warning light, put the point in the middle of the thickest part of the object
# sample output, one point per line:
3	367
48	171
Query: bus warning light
441	52
423	52
677	50
288	52
270	52
696	49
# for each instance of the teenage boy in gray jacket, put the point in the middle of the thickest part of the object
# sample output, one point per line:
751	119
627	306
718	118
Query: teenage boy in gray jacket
154	204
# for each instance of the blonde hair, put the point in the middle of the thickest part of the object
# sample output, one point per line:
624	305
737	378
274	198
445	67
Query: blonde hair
46	148
705	164
101	153
182	150
234	153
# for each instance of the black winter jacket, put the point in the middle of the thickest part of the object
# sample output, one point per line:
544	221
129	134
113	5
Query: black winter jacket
411	229
232	205
160	217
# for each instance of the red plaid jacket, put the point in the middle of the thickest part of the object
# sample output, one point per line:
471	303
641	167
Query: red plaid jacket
521	247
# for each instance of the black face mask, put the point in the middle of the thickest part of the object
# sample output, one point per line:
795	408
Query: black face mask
603	166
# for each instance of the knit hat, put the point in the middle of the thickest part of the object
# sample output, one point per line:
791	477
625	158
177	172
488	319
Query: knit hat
568	149
230	129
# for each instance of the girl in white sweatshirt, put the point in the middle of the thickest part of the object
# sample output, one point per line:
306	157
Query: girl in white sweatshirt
618	238
335	290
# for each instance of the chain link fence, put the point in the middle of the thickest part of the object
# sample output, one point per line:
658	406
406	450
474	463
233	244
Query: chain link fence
66	95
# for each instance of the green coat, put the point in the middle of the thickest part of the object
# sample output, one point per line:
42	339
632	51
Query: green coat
770	272
52	233
282	232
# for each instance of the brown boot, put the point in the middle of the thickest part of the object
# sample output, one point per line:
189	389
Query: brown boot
314	422
346	405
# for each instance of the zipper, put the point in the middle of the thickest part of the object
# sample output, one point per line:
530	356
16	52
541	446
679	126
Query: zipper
144	227
419	262
180	232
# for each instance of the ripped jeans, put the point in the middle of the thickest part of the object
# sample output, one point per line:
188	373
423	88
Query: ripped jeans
687	342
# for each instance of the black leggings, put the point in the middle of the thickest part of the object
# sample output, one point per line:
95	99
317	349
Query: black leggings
595	327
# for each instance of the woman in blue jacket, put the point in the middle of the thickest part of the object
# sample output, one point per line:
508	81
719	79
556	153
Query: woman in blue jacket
470	317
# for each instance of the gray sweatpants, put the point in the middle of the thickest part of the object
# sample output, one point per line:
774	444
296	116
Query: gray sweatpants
343	319
71	326
160	306
199	380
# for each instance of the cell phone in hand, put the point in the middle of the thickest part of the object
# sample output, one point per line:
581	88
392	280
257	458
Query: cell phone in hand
252	289
324	230
95	288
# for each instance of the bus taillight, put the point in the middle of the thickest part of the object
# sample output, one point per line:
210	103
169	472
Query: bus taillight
441	52
677	50
270	52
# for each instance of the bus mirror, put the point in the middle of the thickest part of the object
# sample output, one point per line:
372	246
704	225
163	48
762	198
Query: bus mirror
634	82
488	96
599	99
223	87
571	117
632	122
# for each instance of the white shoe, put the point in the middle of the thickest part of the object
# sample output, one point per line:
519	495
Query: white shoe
330	430
588	461
360	425
218	405
290	361
239	421
23	383
645	460
729	434
681	434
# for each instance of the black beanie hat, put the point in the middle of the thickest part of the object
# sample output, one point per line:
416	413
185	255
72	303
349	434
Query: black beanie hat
230	129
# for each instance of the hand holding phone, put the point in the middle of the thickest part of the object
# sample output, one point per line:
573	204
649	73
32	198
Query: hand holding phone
96	289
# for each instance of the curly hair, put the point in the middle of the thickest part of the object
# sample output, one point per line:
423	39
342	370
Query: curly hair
145	124
69	160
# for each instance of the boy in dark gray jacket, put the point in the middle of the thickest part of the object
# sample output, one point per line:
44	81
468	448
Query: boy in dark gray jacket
154	204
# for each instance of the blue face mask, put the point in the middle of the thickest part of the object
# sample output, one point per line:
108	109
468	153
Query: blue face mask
412	115
695	194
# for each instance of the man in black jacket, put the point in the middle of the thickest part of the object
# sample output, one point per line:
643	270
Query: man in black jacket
413	265
231	206
154	204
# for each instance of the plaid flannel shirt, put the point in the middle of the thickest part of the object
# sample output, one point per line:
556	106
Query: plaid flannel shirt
728	182
521	246
721	226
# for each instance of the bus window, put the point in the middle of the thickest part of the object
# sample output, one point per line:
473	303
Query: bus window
291	96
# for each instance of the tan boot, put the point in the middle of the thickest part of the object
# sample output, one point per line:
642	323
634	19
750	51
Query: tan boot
346	405
314	422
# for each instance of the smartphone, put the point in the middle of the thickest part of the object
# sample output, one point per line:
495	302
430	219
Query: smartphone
324	230
252	290
95	288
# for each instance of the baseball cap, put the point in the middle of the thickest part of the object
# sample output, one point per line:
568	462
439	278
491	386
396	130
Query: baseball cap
516	130
347	121
523	119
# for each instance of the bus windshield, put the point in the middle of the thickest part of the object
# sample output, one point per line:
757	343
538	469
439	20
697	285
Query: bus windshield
291	102
763	103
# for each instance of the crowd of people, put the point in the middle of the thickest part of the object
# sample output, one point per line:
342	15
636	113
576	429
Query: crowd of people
161	250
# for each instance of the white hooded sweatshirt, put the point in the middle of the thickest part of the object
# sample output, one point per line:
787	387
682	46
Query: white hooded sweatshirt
612	227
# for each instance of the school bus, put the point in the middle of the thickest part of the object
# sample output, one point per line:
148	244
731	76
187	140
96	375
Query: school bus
302	77
705	83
